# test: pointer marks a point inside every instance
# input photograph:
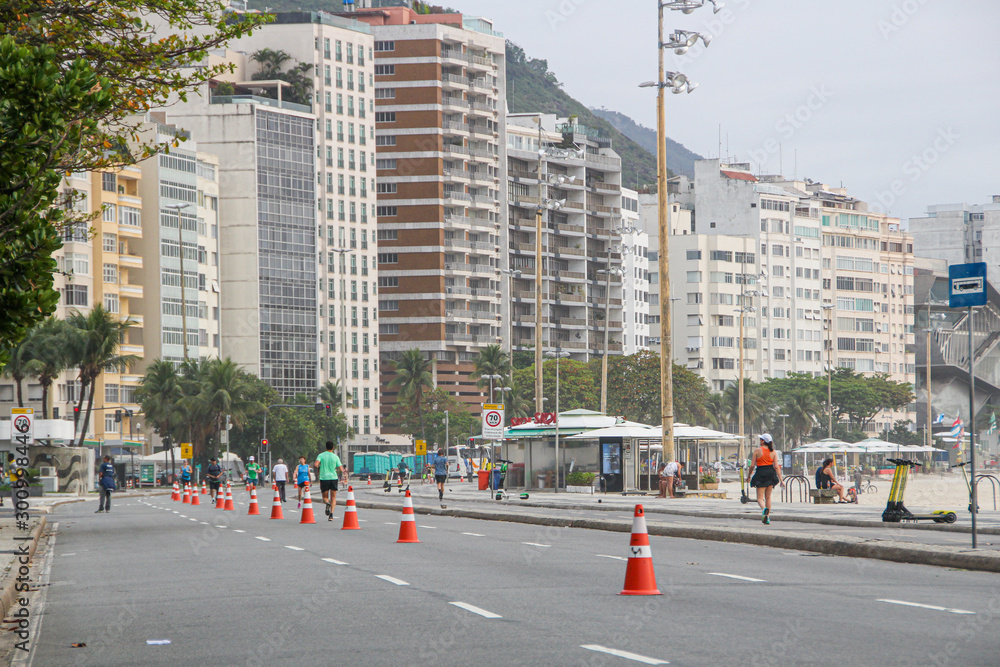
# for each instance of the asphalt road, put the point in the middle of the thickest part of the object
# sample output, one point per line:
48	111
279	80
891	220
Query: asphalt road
232	589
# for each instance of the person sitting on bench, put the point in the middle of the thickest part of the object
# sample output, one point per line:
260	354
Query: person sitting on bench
826	480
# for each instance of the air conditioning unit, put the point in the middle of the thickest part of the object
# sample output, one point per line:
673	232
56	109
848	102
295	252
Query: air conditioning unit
46	471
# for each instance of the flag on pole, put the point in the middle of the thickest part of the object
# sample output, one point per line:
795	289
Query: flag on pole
993	423
956	428
939	419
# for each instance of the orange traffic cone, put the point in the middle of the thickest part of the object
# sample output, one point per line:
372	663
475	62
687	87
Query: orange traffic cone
408	524
187	495
220	499
229	506
254	507
350	512
276	512
194	496
307	508
176	495
204	488
639	576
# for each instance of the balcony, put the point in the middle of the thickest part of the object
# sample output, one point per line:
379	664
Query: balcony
606	187
461	196
480	83
453	81
453	148
454	102
130	291
568	276
570	229
137	350
480	129
130	200
562	296
451	127
470	268
131	261
455	174
571	322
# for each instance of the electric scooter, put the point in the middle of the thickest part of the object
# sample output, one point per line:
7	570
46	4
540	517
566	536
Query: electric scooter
744	496
965	475
895	512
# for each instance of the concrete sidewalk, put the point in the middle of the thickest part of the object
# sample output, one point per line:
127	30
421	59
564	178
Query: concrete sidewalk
842	530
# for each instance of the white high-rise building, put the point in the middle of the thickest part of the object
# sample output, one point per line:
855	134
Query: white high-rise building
959	233
635	276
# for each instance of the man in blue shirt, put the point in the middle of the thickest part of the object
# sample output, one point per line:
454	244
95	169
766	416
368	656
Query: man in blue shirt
301	477
106	484
440	471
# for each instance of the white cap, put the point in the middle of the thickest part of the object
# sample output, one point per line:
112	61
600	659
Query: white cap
251	458
766	437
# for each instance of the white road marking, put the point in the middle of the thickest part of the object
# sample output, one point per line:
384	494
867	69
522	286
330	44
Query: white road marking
392	580
183	516
475	610
363	520
288	546
474	534
204	523
222	526
536	544
175	511
262	539
612	557
624	654
192	519
927	606
237	530
71	553
334	561
431	527
390	523
734	576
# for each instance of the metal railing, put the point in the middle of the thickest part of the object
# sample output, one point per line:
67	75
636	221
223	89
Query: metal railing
801	484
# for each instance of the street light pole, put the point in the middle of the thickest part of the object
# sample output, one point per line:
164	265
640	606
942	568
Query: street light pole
666	351
607	328
829	368
539	310
511	274
558	354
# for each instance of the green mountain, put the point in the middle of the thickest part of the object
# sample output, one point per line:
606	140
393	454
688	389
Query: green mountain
679	158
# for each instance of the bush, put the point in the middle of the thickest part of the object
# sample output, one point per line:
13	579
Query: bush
708	479
580	478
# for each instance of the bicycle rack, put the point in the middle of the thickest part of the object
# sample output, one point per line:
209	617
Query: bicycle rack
801	484
994	485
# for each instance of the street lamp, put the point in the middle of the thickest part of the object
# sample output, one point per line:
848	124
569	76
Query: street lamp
620	272
676	84
343	346
491	378
784	443
828	307
928	438
511	274
557	355
177	208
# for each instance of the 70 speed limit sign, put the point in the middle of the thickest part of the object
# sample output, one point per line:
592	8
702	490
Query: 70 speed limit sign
493	421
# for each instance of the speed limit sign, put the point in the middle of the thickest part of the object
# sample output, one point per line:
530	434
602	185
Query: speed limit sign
493	421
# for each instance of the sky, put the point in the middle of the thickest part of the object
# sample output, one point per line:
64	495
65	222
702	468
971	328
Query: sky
896	100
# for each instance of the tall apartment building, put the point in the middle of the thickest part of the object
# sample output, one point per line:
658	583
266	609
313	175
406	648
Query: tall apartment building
103	267
824	276
340	53
679	216
580	239
181	193
635	277
439	114
959	233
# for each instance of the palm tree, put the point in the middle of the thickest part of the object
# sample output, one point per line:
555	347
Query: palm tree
223	392
412	376
491	361
94	348
802	409
300	81
17	368
332	394
716	411
270	61
160	394
754	406
49	343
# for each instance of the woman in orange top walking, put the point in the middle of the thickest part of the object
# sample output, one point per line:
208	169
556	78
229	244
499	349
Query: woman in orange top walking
767	475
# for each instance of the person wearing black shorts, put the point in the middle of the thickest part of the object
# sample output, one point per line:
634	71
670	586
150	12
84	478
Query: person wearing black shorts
328	464
440	471
214	475
767	475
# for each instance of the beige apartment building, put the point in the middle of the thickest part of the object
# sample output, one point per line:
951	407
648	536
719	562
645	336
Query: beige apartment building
439	124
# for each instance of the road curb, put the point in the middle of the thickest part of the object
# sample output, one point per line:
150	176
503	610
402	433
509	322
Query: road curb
941	556
9	593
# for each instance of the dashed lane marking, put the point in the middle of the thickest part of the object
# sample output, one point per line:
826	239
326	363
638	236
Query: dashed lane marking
262	539
927	606
288	546
237	530
611	557
392	580
735	576
475	610
536	544
334	561
474	534
624	654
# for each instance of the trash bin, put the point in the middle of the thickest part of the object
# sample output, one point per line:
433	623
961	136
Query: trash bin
484	479
496	479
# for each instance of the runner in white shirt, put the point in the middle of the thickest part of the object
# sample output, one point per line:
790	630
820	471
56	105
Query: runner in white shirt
280	473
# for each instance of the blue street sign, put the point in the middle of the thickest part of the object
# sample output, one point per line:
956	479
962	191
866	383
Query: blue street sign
967	285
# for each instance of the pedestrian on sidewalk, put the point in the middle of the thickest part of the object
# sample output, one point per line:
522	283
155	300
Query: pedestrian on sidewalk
672	471
825	479
253	469
106	485
767	475
301	477
280	472
328	464
12	477
402	471
214	475
440	471
185	472
662	477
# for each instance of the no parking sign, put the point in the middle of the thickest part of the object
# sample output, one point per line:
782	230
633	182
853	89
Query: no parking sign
492	421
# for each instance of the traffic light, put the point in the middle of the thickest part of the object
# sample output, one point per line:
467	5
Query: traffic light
263	446
76	415
329	410
118	416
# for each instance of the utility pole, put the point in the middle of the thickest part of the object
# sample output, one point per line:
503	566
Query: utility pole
666	352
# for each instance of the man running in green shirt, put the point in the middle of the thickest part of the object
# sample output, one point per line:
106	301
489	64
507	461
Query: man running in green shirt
328	464
252	471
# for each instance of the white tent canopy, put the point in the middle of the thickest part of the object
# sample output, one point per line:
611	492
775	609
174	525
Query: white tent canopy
626	430
164	456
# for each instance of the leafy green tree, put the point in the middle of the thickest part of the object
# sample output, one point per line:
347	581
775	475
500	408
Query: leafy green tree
413	378
755	408
224	389
802	410
49	343
578	386
492	360
94	347
271	62
160	394
332	394
48	106
18	366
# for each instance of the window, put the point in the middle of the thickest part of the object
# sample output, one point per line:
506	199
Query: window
694	254
110	393
109	182
108	213
111	273
694	298
385	93
385	140
383	281
385	46
387	163
388	329
386	188
692	276
388	235
111	303
385	70
74	295
721	256
385	117
109	242
129	216
388	304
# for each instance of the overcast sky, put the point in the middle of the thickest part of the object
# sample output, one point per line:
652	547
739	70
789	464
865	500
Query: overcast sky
896	99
